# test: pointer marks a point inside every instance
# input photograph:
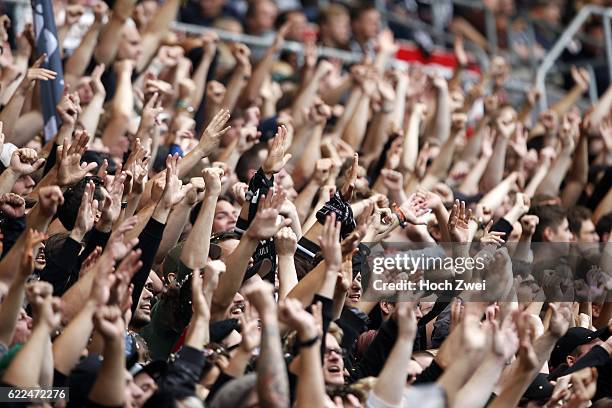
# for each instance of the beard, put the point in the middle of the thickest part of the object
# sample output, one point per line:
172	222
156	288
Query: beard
140	320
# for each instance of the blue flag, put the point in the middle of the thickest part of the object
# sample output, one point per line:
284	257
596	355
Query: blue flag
47	42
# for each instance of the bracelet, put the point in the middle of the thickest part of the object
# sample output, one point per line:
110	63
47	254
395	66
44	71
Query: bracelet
308	343
399	213
182	103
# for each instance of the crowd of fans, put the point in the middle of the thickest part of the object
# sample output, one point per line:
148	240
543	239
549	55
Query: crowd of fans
200	230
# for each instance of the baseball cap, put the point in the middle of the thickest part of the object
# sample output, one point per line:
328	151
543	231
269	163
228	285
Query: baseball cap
540	389
575	336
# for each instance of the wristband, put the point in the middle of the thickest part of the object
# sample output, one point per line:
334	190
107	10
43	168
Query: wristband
308	343
343	211
258	185
399	213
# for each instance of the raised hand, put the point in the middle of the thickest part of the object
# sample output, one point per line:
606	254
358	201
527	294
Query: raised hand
36	73
414	210
277	159
261	296
492	237
568	133
173	193
12	205
49	198
329	241
506	123
242	53
239	192
318	113
150	112
519	143
71	170
393	180
380	225
279	40
212	180
406	320
69	109
349	184
109	323
560	319
25	161
45	307
430	199
529	224
116	247
581	78
527	357
96	78
33	240
203	287
505	340
292	313
460	54
87	212
285	242
123	276
251	335
209	39
322	171
268	221
458	222
111	207
138	165
213	132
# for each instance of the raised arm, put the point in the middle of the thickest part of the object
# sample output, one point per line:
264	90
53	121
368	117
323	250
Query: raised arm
109	388
392	379
441	128
46	318
272	381
239	78
556	174
506	126
38	218
310	390
110	35
266	224
200	74
195	250
285	243
531	358
68	346
410	149
504	343
11	305
155	31
90	117
77	63
202	289
251	92
12	110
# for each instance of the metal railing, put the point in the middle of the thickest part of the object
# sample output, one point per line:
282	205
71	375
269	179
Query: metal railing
562	42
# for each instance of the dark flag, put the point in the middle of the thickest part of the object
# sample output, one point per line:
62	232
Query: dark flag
47	42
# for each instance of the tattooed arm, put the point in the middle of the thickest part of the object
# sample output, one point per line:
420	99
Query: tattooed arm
272	381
